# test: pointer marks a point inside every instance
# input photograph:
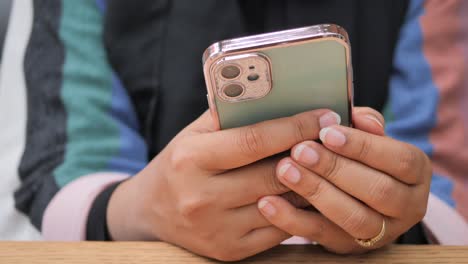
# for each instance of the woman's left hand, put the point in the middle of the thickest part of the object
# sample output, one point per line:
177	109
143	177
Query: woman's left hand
357	181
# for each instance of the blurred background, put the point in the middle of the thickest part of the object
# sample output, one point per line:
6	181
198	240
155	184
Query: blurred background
5	8
15	27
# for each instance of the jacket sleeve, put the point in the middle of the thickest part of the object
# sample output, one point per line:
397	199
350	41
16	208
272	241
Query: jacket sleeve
428	107
82	132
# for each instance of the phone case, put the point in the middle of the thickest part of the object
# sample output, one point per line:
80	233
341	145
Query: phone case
310	69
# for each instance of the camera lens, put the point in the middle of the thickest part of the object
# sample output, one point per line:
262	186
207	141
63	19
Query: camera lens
253	77
230	72
233	90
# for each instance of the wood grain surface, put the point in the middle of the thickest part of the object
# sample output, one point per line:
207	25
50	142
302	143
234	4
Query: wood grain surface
157	252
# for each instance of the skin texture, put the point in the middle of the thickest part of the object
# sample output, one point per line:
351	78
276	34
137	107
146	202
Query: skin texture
204	190
355	180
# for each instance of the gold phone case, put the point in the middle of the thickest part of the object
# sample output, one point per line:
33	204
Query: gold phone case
274	75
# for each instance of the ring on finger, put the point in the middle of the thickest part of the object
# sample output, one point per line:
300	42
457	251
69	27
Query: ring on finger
366	243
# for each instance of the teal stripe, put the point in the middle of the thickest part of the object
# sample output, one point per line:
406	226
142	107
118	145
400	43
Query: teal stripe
92	135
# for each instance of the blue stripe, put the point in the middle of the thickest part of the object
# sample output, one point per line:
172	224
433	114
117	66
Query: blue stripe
102	5
133	153
442	188
414	96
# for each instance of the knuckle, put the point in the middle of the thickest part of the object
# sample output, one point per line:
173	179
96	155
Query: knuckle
407	160
334	167
365	147
356	222
425	171
315	191
301	129
191	206
251	140
181	157
382	191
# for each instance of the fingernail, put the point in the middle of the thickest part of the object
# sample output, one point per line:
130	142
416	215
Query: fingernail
289	173
329	119
267	208
375	119
305	155
332	137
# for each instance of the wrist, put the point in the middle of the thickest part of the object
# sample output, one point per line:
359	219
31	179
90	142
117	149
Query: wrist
126	213
120	213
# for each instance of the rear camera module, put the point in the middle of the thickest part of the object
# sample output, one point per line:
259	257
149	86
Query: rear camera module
241	77
233	90
230	72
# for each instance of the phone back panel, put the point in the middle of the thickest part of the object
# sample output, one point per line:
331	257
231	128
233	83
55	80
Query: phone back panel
304	77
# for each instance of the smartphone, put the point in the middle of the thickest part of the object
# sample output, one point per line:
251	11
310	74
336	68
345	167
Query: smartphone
267	76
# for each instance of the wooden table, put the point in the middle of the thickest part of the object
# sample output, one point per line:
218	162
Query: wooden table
143	253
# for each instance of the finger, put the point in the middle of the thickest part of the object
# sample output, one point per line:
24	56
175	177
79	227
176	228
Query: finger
246	185
203	124
237	147
311	225
375	188
354	217
369	120
262	239
401	160
248	218
296	200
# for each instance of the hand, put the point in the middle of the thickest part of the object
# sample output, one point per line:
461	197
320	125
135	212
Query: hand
356	180
201	191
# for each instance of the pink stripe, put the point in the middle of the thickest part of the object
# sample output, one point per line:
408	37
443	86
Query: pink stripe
445	224
66	215
445	41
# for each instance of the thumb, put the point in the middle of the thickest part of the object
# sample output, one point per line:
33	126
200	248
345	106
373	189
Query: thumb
203	124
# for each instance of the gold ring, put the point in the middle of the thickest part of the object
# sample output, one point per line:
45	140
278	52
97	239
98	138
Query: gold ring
372	241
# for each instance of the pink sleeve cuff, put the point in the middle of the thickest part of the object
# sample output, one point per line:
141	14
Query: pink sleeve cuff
296	240
67	213
444	224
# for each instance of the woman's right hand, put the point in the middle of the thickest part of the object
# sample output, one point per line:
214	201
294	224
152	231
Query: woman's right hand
201	191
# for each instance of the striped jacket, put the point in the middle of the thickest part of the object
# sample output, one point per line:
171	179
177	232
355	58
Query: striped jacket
72	128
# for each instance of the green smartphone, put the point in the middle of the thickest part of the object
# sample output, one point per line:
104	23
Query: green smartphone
279	74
